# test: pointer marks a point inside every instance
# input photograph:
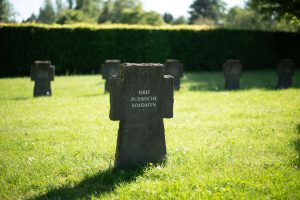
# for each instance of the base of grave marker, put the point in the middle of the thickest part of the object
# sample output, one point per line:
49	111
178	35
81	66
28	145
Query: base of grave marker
42	89
285	81
232	84
106	87
176	83
140	144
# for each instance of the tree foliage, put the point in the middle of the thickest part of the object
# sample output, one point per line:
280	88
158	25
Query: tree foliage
258	14
180	20
128	12
151	17
32	18
93	11
78	11
59	7
277	8
168	18
70	16
7	13
247	18
47	13
208	9
90	8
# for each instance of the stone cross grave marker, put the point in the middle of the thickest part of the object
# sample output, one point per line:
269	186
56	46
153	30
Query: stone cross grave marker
232	70
42	73
110	68
140	98
174	68
285	72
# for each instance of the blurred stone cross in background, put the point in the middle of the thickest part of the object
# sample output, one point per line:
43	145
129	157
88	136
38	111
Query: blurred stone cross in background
42	73
232	70
285	72
110	68
174	68
140	98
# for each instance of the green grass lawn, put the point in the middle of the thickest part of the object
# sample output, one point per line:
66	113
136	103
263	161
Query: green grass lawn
220	144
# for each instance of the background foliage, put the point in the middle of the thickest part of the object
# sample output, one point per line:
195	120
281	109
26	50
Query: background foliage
82	49
7	12
277	8
267	15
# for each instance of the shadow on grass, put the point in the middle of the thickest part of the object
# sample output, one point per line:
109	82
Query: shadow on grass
101	183
15	98
214	81
20	98
92	95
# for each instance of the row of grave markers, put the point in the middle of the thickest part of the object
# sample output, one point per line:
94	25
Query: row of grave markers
141	95
233	70
42	72
173	67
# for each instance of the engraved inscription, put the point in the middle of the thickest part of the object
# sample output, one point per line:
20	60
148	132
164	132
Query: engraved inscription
144	100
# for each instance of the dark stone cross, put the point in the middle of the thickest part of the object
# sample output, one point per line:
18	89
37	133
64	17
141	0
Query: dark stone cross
140	98
42	73
174	68
232	70
285	72
110	68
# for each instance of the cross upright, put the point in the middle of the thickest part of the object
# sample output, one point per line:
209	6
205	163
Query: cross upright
174	68
285	72
140	98
110	68
232	71
42	73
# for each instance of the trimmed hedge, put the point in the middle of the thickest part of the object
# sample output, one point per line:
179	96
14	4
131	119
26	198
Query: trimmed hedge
83	49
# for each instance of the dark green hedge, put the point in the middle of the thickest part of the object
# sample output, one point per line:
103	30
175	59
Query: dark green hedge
83	50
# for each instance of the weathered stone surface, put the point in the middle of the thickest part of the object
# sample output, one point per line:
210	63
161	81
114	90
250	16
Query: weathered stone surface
140	98
110	68
285	72
174	68
232	70
42	73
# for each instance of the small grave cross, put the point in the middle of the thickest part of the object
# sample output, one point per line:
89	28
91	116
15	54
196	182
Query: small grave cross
140	98
285	72
110	68
174	68
42	73
232	71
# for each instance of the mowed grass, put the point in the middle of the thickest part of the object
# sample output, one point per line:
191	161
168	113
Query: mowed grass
220	144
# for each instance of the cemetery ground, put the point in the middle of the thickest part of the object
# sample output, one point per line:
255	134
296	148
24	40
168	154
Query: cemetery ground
220	144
